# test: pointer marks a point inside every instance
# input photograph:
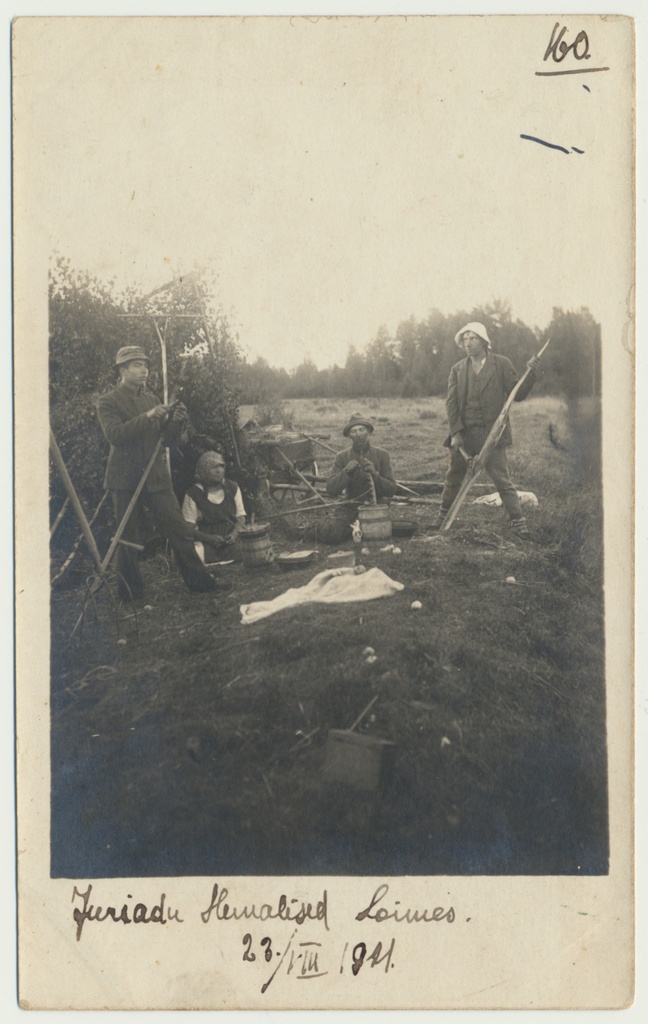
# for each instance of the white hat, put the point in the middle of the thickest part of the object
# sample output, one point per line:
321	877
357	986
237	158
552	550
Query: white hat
477	329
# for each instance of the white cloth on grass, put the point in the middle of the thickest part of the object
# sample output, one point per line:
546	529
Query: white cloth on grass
527	499
333	586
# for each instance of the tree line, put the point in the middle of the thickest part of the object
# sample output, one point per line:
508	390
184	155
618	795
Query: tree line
89	320
415	361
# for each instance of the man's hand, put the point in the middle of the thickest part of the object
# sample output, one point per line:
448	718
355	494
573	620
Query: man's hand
534	363
456	441
352	466
179	411
159	413
368	467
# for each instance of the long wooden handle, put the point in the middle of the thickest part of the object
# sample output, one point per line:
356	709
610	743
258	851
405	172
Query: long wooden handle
131	505
96	583
476	465
74	498
326	447
301	476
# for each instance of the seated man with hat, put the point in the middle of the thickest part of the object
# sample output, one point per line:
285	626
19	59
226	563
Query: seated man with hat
133	420
362	473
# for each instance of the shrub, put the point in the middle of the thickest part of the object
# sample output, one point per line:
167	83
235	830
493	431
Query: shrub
87	326
271	411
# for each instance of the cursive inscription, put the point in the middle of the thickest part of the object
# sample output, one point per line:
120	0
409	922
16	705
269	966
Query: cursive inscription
284	909
139	913
402	915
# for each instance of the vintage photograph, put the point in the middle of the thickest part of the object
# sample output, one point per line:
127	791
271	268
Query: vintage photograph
332	312
324	643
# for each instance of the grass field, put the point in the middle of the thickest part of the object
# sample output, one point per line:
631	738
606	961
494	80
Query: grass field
198	744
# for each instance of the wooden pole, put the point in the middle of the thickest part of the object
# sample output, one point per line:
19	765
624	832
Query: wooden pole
103	565
363	713
74	498
301	476
476	465
55	525
131	505
326	447
165	380
309	508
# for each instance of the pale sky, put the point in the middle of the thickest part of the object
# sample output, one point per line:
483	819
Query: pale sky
338	176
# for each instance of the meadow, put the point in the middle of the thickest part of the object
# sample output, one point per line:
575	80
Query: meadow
186	743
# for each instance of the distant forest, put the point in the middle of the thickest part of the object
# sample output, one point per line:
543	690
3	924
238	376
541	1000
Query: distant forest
416	360
90	319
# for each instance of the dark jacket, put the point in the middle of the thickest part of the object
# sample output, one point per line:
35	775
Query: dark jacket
496	381
356	485
132	436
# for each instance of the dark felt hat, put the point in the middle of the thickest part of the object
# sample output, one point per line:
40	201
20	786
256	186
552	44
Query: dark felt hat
358	421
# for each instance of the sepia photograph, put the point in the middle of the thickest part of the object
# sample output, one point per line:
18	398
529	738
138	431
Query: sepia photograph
330	544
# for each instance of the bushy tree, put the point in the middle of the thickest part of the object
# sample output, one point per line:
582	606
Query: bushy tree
572	363
304	382
89	321
261	383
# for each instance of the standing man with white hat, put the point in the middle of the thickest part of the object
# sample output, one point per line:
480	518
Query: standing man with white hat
133	420
477	390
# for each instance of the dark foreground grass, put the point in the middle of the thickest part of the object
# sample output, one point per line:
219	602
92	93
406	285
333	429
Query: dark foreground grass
199	745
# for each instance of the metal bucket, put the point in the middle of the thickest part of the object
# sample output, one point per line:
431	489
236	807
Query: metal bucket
375	522
256	546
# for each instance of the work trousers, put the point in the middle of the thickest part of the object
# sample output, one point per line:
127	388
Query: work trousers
496	467
174	527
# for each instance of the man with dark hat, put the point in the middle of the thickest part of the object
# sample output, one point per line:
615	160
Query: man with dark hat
362	473
477	390
133	420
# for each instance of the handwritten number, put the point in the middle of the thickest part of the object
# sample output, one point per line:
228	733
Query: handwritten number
585	54
248	954
376	958
359	953
558	48
268	943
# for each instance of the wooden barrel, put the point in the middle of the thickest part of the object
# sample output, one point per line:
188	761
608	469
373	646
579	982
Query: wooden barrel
375	522
256	546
